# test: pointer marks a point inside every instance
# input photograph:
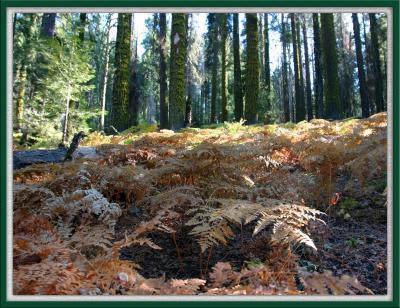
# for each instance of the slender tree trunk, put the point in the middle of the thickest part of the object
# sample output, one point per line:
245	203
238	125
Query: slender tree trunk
285	84
105	77
318	88
300	108
252	69
163	71
120	114
360	67
224	32
376	64
65	124
238	87
177	104
308	78
334	109
22	78
134	107
267	70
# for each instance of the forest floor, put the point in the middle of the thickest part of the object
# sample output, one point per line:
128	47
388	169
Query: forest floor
231	209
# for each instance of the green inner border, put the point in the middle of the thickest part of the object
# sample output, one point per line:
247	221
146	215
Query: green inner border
203	3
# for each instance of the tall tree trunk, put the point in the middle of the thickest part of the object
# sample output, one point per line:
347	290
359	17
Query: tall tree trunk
360	67
252	69
237	76
300	108
334	109
120	101
66	118
48	24
19	111
285	84
308	78
318	88
302	112
163	71
267	70
133	80
376	64
224	33
105	75
177	72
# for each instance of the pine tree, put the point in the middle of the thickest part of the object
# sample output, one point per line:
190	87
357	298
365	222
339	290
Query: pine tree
224	33
333	106
238	87
267	70
318	82
300	108
163	71
177	72
308	77
360	67
120	102
252	69
285	84
376	64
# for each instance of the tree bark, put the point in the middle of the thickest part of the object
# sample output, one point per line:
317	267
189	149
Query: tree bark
252	69
177	72
376	64
267	70
285	84
238	87
319	85
105	75
308	78
120	101
360	67
163	71
334	109
223	26
48	25
65	124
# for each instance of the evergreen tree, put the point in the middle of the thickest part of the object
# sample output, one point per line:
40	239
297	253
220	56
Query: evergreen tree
177	72
360	67
224	33
163	71
308	77
120	101
333	106
252	69
318	82
300	108
238	87
48	24
376	64
285	83
267	70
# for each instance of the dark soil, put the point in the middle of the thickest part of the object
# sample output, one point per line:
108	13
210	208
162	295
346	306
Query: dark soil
350	247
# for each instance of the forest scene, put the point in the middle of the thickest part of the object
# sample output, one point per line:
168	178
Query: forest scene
200	153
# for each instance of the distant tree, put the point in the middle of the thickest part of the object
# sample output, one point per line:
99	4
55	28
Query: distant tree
120	99
212	61
252	69
238	87
177	72
376	64
82	25
360	67
333	106
318	82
